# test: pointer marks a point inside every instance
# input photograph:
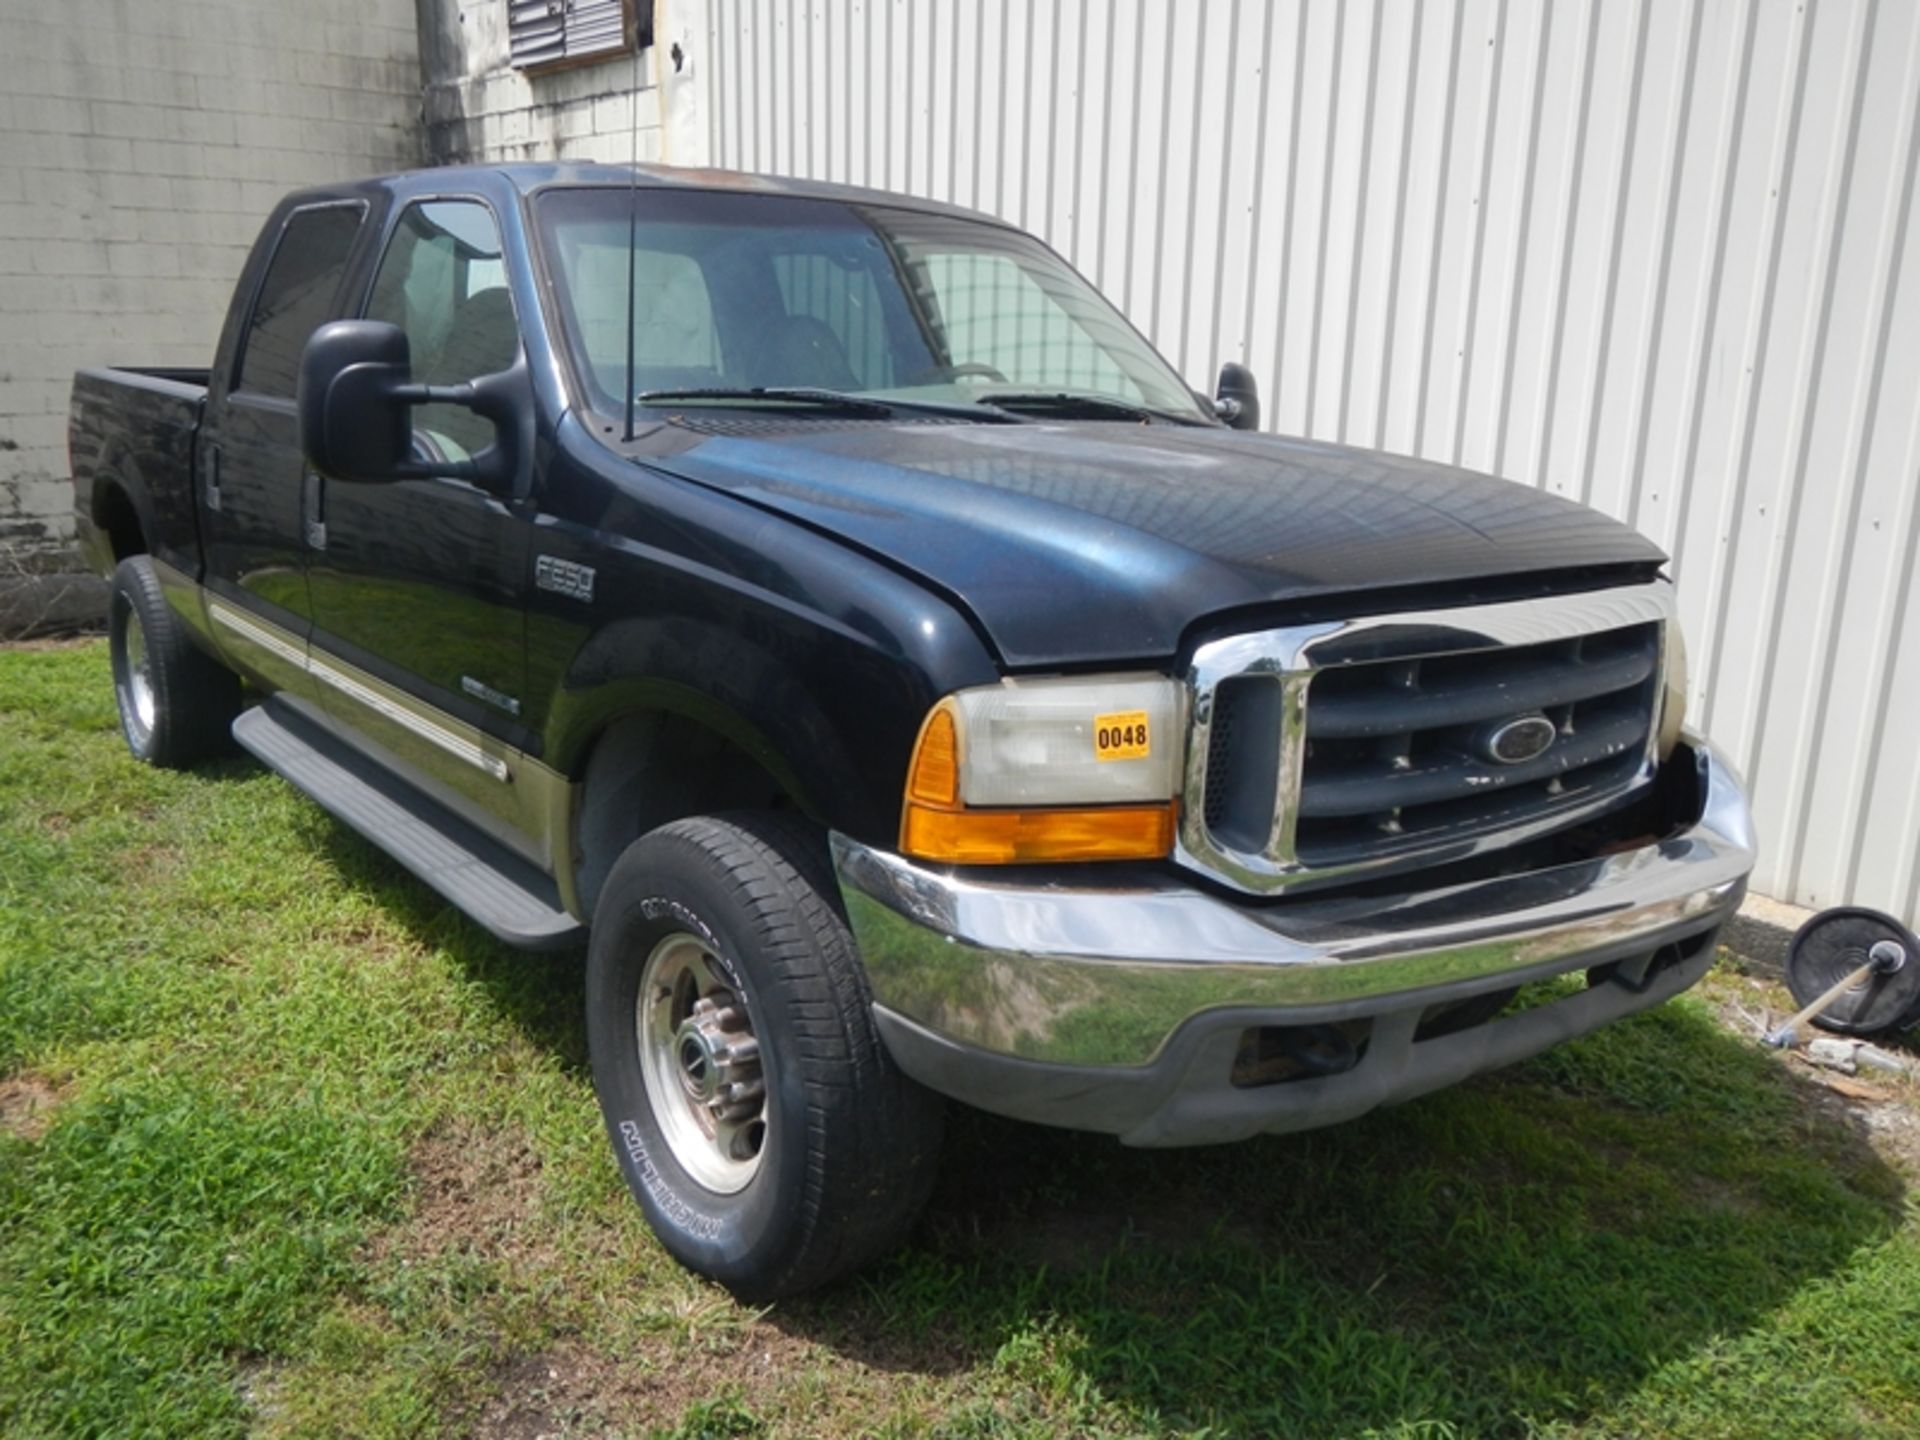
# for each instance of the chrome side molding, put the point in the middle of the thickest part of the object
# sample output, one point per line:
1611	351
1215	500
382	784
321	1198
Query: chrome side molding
289	651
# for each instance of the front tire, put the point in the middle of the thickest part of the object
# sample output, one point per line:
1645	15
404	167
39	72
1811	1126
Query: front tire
756	1116
176	702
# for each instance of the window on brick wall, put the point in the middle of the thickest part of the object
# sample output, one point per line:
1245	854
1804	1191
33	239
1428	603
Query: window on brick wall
551	34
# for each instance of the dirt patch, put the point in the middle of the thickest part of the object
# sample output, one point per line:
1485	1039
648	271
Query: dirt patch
366	936
149	864
1894	1131
579	1391
259	1384
1884	1113
1884	1110
27	1105
476	1190
56	642
754	1365
541	1395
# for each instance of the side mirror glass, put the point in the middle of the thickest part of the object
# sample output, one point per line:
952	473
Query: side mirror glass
354	425
1237	397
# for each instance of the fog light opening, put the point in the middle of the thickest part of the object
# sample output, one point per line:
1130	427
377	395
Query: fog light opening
1276	1054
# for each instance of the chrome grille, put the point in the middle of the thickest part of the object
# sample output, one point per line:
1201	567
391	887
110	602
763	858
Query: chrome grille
1323	750
1395	753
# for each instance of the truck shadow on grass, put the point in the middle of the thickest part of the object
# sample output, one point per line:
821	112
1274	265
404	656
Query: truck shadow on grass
1595	1228
1535	1244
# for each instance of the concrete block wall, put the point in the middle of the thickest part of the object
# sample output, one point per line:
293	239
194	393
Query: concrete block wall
478	108
140	147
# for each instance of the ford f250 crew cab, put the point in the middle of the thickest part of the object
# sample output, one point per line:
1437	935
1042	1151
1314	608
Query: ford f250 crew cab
826	606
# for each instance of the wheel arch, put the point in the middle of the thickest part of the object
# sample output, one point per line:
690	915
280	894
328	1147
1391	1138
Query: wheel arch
118	517
649	765
664	718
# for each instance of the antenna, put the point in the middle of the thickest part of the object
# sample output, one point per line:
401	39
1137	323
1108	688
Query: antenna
633	213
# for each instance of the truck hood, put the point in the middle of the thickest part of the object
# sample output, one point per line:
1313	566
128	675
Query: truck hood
1095	542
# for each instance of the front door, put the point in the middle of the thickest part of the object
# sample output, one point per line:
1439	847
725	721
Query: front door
254	486
416	584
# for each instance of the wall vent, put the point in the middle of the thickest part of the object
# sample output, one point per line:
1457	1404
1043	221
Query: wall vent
553	34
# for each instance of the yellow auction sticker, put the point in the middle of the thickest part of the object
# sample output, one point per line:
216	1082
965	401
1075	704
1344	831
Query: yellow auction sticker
1121	736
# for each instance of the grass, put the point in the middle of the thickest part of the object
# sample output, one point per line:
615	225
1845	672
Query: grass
288	1148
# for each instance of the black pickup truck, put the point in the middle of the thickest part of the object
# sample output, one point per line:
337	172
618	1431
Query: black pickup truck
828	608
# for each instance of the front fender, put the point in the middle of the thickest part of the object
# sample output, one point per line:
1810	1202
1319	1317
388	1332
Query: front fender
665	596
721	681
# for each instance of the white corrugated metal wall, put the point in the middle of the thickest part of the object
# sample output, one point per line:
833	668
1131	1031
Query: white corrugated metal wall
1656	255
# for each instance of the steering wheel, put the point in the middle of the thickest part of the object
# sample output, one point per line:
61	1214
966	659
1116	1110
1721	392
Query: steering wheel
957	372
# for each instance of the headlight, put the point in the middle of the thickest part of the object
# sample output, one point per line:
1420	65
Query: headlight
1673	691
1029	770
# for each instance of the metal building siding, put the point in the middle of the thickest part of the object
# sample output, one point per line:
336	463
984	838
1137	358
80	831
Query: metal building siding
1658	256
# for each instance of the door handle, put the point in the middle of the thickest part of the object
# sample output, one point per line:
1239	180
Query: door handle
212	468
313	509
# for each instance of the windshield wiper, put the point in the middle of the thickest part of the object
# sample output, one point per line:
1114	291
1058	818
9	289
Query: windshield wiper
1065	402
817	398
771	395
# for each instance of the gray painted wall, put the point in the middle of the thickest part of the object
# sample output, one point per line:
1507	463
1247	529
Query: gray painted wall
140	147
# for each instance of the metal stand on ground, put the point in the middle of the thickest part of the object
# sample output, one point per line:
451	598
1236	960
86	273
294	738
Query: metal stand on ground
1854	972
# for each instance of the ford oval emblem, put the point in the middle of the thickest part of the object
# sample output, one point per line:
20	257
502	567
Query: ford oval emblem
1516	741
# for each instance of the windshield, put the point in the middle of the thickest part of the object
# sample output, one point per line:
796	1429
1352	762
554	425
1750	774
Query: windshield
741	292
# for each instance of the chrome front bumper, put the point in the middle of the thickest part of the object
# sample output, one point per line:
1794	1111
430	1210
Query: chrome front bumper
1117	1002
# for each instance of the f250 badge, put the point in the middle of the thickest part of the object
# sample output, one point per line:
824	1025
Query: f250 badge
563	577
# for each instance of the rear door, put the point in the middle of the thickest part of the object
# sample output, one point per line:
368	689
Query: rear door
254	487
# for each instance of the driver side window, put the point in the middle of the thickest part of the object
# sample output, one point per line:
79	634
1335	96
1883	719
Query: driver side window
443	282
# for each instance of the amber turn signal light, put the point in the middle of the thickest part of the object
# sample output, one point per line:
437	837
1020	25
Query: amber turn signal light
935	776
1014	837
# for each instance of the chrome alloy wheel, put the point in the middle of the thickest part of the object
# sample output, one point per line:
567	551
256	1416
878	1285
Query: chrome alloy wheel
136	677
701	1064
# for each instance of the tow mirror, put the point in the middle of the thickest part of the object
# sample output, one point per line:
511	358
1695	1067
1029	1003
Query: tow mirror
355	399
353	423
1237	398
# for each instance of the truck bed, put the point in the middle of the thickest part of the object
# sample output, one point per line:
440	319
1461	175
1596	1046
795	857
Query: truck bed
132	431
183	380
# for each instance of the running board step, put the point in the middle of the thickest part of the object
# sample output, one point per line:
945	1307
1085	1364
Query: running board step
477	875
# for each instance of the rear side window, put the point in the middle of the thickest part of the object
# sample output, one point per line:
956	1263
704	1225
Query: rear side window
297	295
